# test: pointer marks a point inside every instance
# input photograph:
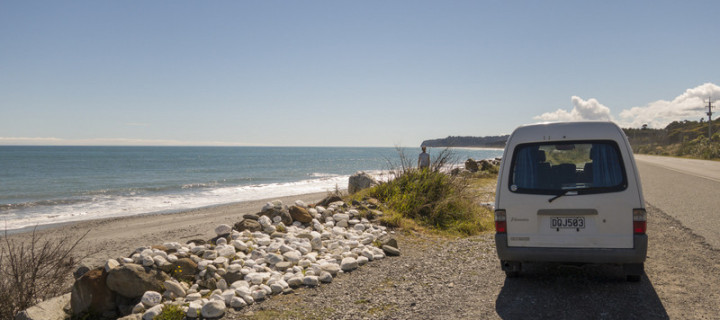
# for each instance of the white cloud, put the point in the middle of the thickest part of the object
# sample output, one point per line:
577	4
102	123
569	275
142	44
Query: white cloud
688	106
582	110
658	114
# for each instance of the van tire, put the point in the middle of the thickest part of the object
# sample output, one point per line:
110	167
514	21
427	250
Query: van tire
511	268
633	278
634	271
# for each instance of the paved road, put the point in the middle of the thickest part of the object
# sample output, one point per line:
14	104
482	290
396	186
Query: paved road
686	189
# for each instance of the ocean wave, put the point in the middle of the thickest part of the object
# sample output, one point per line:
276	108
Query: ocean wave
127	204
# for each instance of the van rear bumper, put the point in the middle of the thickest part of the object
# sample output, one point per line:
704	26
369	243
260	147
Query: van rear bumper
637	254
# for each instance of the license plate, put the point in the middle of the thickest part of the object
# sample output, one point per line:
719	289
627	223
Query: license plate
567	223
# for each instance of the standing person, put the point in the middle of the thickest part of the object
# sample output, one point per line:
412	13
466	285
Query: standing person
423	159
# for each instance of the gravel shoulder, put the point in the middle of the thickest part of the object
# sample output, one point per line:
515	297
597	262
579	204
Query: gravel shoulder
440	278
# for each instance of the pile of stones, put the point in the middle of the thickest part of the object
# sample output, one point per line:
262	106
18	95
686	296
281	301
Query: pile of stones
272	252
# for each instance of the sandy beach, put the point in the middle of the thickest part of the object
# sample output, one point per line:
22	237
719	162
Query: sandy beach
118	237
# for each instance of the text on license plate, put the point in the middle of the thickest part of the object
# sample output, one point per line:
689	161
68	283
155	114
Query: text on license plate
567	222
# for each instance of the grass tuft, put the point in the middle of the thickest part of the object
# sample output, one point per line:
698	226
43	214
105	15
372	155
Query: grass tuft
433	199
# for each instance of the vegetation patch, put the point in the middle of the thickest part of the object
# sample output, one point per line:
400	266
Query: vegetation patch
34	271
432	198
680	138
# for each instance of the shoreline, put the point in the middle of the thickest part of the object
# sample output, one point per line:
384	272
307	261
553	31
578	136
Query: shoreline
118	236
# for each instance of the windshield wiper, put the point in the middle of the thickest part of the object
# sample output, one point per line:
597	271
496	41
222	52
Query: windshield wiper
565	192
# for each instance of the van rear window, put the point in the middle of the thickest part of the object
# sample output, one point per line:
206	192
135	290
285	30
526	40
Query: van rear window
552	168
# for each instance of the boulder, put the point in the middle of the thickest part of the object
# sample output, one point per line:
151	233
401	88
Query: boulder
387	240
248	224
132	280
485	165
300	214
359	181
390	250
90	293
51	309
184	269
328	200
471	165
223	229
348	264
213	309
151	298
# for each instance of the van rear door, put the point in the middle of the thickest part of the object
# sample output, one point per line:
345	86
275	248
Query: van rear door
570	194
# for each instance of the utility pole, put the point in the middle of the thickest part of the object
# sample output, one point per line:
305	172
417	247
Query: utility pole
709	114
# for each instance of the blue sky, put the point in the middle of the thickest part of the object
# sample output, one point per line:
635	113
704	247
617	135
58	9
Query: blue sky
345	73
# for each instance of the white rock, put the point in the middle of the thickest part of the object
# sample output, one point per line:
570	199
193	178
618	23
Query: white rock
248	298
342	223
222	285
359	227
273	258
239	245
175	288
147	261
348	264
295	281
276	288
237	302
111	264
221	242
213	309
264	221
311	281
240	284
193	310
152	312
340	217
258	295
228	295
193	297
292	256
332	268
139	308
226	251
151	298
223	229
362	260
325	277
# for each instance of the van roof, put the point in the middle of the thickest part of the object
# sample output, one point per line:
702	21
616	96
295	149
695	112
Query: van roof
579	130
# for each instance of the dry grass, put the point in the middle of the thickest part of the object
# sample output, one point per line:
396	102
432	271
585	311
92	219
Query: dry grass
34	271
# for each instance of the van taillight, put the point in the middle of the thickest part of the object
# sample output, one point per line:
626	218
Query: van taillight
639	221
500	221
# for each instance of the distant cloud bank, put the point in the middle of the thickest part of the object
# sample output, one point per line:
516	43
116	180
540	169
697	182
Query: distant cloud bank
658	114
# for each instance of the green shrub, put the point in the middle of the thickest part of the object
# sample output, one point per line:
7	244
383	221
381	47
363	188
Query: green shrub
171	312
433	199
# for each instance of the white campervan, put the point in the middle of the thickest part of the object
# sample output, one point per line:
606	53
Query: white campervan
570	192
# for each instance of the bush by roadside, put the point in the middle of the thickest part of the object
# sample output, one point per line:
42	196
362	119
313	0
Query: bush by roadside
433	198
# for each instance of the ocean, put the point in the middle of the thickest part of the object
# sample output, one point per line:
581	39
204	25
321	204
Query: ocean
42	185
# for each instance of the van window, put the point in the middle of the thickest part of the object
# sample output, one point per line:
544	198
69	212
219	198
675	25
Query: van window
551	168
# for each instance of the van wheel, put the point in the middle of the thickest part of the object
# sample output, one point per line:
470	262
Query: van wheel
511	268
633	278
512	274
634	271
